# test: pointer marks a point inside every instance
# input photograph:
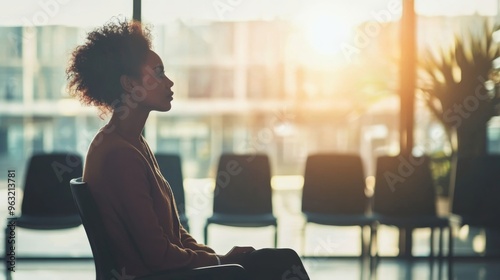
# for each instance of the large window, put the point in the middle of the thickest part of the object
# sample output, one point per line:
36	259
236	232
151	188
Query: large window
36	113
283	77
299	76
272	77
254	77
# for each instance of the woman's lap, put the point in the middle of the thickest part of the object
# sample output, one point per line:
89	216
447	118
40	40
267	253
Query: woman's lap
274	264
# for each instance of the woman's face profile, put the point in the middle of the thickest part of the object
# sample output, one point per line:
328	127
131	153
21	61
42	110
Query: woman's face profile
154	90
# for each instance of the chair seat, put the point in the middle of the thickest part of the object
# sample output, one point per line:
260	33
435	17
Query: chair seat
225	271
261	220
48	223
414	222
339	220
480	222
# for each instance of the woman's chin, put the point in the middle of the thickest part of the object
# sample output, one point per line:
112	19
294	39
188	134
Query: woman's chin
165	108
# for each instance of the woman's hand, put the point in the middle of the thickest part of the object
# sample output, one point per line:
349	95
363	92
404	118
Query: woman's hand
236	255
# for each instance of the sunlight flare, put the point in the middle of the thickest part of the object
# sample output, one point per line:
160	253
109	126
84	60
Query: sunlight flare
325	29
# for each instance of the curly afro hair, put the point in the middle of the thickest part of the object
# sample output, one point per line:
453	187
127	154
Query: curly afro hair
115	49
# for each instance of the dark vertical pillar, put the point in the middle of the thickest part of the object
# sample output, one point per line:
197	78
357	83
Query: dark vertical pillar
407	99
136	13
407	78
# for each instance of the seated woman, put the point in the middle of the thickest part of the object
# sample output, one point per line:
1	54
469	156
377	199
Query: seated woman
116	70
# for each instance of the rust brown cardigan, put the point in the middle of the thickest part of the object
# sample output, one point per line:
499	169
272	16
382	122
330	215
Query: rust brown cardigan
138	209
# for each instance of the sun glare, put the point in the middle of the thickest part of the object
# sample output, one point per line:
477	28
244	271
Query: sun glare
325	28
326	33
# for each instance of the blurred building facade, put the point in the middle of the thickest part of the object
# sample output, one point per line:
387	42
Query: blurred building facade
239	87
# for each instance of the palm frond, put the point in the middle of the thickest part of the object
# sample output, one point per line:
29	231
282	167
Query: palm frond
451	74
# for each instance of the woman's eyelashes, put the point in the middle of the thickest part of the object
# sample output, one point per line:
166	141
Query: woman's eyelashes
159	72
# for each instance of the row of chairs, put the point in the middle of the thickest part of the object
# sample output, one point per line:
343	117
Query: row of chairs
333	193
397	172
404	196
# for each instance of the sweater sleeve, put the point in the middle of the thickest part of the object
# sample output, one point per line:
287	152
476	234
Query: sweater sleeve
127	173
189	242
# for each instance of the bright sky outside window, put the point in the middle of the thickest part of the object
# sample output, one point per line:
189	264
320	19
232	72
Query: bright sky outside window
95	12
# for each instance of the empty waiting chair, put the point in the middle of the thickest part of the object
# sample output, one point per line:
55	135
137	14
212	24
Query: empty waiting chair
171	168
47	202
475	193
243	194
334	193
405	197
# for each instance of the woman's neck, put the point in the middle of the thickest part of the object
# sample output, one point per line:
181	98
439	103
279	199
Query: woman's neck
129	125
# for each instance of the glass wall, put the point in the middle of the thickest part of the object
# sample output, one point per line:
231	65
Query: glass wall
279	78
36	112
286	78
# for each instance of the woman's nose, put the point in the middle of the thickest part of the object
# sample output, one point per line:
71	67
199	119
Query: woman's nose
170	83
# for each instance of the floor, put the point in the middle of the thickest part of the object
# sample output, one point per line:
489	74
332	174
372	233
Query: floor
332	251
318	269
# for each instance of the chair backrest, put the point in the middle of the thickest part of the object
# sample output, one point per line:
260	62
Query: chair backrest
475	189
46	190
94	227
404	187
334	184
171	168
490	210
243	185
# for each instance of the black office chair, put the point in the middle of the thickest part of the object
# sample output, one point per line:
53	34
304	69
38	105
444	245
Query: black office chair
171	168
243	194
103	257
475	191
334	193
405	198
474	183
47	203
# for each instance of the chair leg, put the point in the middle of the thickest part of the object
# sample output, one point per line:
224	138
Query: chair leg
276	236
409	242
405	242
450	243
432	243
363	247
366	249
373	241
205	233
440	253
450	253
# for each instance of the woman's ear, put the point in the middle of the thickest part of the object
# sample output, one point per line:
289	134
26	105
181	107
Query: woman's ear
127	83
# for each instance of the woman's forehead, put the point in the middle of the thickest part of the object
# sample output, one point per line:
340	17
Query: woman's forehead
152	59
